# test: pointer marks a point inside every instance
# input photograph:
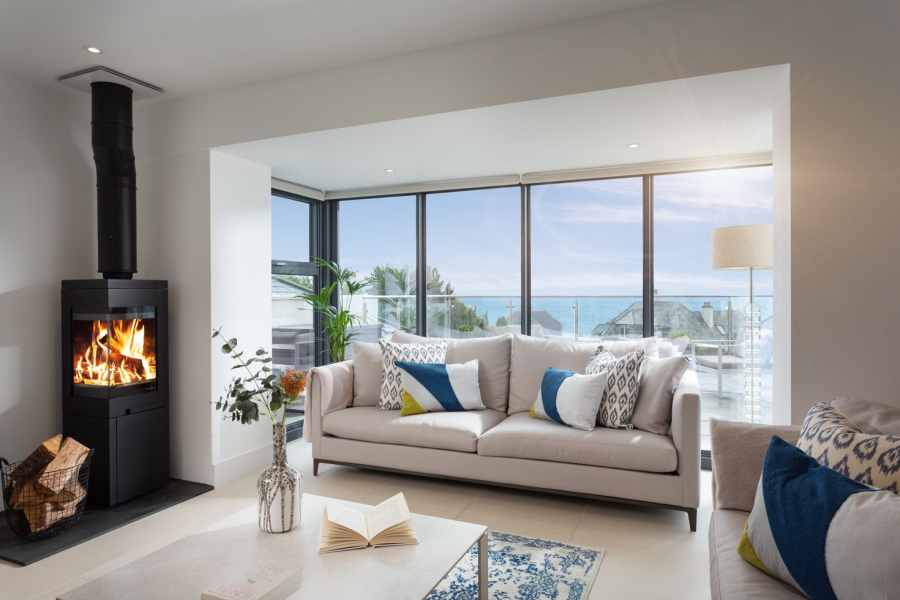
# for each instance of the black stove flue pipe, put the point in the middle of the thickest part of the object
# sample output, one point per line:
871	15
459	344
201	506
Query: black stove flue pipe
111	139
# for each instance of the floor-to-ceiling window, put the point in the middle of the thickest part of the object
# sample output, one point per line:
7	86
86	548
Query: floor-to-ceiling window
587	259
473	253
591	250
704	310
377	239
293	330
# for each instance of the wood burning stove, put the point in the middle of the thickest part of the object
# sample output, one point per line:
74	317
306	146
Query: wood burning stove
115	370
116	382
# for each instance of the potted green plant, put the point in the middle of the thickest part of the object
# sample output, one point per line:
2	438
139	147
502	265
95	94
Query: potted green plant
257	390
333	303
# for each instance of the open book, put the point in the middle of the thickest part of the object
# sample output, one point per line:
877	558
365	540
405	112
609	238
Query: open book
388	524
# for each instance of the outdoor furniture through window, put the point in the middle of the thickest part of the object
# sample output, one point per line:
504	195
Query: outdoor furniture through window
720	361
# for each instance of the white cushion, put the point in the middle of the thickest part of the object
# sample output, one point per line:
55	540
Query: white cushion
521	436
443	430
570	399
439	388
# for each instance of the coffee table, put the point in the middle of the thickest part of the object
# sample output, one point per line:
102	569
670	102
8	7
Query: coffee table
193	564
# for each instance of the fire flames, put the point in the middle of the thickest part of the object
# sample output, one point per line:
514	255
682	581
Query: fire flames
115	355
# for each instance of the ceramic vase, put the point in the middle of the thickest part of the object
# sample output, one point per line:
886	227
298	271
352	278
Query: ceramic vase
279	488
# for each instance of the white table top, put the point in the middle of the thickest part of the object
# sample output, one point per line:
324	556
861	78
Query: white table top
186	568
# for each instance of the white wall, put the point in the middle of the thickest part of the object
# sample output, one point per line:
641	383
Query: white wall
241	298
48	233
174	244
844	138
204	225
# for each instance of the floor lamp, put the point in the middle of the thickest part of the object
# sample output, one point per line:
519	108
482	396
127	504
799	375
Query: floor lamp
746	247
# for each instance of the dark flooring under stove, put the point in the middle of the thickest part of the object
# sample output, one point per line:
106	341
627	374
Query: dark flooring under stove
96	521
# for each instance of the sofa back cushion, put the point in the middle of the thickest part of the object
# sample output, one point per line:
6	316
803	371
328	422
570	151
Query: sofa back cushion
871	417
493	356
619	348
531	357
659	378
366	373
738	450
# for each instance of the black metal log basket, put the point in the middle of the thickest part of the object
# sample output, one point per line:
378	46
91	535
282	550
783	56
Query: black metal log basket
35	512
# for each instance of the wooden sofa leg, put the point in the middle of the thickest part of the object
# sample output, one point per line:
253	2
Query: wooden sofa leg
315	467
692	517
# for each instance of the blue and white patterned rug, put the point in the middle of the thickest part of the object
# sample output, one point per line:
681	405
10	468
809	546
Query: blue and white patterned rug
522	567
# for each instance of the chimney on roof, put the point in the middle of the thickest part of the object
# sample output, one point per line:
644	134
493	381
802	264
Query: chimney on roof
706	311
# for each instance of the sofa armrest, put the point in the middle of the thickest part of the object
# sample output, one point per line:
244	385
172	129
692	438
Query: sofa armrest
738	450
686	437
329	388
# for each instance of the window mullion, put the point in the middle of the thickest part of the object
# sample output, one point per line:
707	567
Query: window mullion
421	268
648	256
525	301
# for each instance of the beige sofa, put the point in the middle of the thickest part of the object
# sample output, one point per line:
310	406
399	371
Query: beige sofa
503	445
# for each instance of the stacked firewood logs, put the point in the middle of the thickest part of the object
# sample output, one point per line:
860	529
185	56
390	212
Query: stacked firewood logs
45	485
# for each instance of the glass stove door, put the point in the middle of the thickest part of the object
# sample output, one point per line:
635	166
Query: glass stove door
114	349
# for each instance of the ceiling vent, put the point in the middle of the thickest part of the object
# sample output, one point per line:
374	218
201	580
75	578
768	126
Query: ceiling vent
82	80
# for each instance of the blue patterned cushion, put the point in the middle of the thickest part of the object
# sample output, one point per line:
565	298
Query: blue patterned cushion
820	531
569	398
439	388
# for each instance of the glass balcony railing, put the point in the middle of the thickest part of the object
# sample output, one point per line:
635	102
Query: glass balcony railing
703	318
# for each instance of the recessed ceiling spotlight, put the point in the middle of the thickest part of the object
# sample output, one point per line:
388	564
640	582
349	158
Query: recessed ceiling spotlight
93	49
388	170
634	145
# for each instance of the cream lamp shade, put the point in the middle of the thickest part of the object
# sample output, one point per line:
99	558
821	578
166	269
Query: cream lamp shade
743	247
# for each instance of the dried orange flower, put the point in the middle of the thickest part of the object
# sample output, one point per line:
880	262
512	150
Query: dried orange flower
293	382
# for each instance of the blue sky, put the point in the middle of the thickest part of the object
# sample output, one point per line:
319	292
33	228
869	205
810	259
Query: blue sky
586	236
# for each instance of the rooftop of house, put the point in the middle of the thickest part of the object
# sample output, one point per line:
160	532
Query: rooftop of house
673	316
542	318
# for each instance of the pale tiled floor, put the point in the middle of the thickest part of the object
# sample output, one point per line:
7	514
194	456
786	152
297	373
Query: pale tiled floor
650	553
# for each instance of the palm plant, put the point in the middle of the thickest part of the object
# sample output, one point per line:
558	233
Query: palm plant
396	285
333	303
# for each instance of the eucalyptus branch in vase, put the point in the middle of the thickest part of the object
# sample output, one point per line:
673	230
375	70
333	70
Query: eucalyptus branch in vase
260	391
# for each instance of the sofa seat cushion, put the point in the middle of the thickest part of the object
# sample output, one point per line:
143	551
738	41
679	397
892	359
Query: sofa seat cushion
442	430
522	436
732	577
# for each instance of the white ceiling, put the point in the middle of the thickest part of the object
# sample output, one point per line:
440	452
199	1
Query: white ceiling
713	116
194	46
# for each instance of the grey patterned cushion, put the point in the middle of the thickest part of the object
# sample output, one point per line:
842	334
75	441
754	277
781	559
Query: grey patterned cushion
622	386
835	442
391	392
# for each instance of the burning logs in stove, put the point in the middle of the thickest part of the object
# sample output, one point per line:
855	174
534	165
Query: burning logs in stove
46	487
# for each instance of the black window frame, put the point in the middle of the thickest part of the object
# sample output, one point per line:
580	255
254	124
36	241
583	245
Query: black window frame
307	268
